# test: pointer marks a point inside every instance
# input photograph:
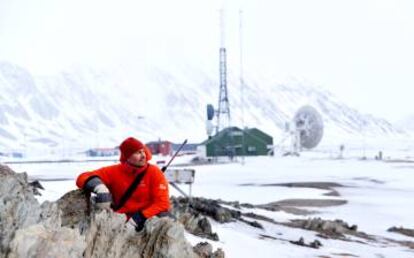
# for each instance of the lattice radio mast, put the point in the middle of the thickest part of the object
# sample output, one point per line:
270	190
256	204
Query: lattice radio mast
223	112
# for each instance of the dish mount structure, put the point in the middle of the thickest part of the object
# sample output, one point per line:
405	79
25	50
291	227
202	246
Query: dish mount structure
222	113
305	130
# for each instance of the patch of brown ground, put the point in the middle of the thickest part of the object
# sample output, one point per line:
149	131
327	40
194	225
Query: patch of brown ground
293	206
317	185
287	209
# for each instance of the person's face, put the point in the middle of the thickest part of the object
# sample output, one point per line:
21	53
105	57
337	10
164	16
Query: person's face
138	158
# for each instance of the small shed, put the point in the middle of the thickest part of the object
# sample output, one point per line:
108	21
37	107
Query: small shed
233	141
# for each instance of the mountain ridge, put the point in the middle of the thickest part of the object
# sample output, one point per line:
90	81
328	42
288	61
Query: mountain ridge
84	108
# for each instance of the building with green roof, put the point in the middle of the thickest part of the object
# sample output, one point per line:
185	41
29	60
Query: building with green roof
233	141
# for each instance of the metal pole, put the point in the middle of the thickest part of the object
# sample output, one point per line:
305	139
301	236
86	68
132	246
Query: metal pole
164	168
179	190
241	84
190	198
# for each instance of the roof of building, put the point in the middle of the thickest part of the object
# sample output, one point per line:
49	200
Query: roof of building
157	142
248	131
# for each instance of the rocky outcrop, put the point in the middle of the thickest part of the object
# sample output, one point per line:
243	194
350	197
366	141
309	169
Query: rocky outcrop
402	230
193	215
18	206
71	227
333	229
206	207
205	250
315	244
160	238
47	240
197	225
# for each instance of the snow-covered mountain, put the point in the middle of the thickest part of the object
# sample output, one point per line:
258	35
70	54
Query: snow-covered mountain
407	123
84	108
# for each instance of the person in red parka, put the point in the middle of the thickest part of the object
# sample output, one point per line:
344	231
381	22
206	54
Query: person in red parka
110	183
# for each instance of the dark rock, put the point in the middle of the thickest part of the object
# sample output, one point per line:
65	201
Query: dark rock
252	223
219	253
301	242
247	205
36	186
207	207
203	249
327	228
197	225
259	217
193	215
315	244
262	236
76	209
403	231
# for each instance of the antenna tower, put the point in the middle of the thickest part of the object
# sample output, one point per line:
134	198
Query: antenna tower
223	112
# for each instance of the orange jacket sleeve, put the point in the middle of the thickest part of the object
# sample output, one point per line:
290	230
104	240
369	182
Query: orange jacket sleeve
160	199
101	173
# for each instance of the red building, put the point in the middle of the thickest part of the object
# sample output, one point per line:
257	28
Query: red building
160	147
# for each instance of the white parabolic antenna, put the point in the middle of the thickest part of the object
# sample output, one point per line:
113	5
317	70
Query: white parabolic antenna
309	125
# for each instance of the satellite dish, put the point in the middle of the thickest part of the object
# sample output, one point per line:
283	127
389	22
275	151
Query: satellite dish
309	126
209	122
210	112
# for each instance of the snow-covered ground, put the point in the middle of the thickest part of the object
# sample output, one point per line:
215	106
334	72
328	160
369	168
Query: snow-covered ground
379	194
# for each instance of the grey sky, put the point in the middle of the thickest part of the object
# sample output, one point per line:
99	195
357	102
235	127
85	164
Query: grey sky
361	50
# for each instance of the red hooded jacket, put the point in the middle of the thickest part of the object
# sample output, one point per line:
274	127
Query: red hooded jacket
151	195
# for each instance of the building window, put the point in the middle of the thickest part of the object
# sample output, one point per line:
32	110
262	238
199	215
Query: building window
251	148
236	133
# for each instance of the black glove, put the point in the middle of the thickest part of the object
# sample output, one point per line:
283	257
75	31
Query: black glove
103	196
139	220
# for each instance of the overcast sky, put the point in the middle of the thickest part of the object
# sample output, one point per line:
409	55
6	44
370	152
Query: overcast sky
361	50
